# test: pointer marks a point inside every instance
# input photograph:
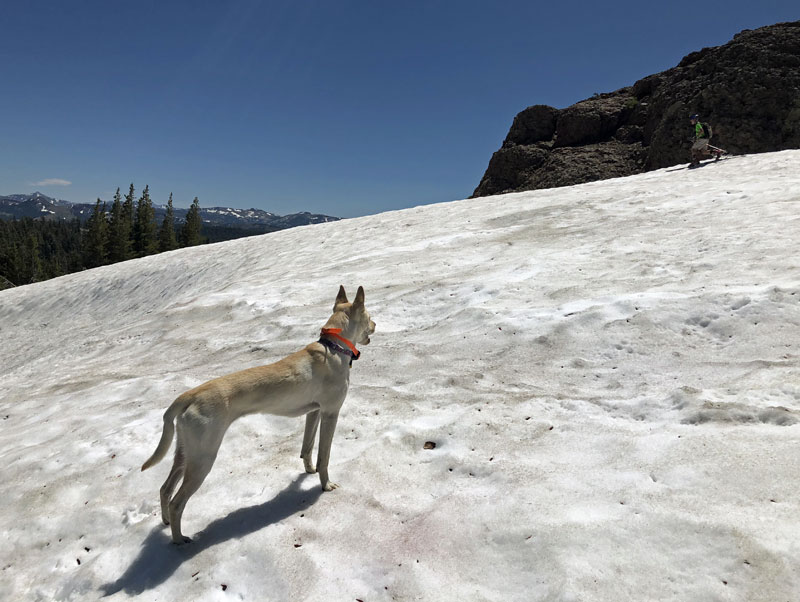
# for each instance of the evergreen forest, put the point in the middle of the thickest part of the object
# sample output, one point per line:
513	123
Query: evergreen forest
32	250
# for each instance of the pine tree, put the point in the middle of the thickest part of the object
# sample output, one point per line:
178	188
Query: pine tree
166	236
10	260
95	240
117	236
144	228
190	233
126	226
33	263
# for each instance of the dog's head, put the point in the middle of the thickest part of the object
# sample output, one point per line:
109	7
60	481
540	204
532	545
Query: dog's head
358	322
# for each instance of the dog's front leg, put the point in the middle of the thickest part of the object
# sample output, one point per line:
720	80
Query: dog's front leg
312	422
324	454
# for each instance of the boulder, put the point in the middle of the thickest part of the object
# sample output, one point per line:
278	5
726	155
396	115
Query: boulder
534	124
593	120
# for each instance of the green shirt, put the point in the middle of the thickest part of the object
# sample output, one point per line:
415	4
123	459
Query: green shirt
699	132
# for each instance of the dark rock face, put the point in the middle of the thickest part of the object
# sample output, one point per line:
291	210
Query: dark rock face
534	124
593	120
748	90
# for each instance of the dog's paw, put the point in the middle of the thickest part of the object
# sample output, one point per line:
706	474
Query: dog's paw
183	540
330	486
310	468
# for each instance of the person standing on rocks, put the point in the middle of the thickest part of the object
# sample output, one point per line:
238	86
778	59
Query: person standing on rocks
702	134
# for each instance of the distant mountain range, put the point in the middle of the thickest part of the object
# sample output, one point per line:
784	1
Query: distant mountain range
38	205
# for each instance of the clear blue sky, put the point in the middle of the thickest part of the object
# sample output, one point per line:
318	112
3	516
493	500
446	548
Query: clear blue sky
336	107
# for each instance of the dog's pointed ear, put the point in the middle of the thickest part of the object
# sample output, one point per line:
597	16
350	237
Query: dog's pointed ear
359	300
340	298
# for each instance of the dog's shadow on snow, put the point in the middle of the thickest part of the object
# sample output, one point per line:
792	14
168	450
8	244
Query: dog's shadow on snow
159	559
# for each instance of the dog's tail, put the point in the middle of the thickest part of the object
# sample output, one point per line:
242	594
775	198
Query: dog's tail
177	407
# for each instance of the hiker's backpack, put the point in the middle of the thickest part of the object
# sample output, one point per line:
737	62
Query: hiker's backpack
706	129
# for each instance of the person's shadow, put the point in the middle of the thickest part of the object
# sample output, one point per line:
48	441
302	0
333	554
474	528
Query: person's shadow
158	558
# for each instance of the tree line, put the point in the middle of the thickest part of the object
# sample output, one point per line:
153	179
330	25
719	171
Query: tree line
32	250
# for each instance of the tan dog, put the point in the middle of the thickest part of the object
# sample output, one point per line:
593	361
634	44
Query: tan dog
312	381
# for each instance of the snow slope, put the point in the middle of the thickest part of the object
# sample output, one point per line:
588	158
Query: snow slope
610	374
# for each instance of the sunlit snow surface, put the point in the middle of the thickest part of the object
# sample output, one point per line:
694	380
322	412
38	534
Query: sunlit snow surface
610	374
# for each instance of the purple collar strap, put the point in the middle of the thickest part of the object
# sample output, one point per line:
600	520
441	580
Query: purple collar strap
338	349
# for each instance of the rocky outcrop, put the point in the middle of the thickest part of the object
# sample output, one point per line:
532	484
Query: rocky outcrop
747	89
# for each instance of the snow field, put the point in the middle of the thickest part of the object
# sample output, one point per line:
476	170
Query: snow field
609	373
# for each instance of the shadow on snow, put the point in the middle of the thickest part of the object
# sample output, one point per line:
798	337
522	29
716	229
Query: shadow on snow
159	559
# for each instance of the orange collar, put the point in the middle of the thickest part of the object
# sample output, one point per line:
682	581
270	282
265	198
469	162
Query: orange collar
334	333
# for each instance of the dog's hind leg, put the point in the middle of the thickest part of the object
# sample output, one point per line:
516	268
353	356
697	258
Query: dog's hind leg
194	475
168	487
199	449
312	422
